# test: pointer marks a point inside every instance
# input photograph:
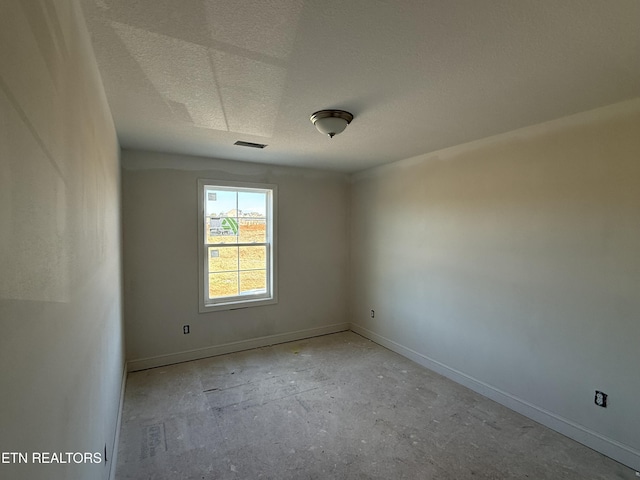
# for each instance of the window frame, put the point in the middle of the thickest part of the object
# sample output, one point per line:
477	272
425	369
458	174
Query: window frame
239	301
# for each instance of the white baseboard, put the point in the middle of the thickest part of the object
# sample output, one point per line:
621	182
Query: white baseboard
116	439
607	446
162	360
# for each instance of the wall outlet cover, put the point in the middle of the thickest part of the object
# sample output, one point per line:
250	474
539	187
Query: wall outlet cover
601	399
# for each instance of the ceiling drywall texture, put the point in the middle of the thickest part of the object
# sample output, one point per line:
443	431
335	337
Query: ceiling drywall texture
194	76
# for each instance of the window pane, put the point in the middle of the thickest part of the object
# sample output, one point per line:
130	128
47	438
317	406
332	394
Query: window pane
252	204
223	284
252	258
219	202
253	282
223	259
252	230
221	230
221	216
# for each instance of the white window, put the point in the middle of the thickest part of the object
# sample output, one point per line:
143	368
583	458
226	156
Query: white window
236	226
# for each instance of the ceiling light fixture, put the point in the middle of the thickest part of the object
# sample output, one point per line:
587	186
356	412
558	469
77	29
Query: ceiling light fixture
331	122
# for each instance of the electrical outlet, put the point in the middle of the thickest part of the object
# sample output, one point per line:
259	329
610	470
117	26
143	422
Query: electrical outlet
185	329
601	399
373	313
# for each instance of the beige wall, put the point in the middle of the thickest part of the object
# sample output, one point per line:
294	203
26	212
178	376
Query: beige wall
513	265
61	347
161	258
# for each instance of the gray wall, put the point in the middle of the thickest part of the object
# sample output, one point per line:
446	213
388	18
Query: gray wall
61	347
513	266
160	215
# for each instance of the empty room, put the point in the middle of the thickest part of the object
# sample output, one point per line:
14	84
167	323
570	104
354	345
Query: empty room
298	239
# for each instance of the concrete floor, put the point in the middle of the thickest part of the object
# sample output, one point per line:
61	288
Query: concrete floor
332	407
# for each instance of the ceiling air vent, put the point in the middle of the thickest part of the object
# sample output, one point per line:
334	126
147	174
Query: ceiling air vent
249	144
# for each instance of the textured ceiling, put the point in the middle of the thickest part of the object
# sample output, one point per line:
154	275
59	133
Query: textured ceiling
194	76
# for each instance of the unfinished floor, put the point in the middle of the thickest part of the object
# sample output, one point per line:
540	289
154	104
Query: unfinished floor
332	407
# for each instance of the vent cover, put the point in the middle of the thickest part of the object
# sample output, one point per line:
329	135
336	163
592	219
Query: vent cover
240	143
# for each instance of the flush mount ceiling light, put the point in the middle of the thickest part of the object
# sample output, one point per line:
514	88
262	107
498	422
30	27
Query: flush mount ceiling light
331	122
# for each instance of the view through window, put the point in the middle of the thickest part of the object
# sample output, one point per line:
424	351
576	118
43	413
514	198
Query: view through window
237	250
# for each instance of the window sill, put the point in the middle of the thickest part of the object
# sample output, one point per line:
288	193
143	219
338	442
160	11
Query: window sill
237	305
